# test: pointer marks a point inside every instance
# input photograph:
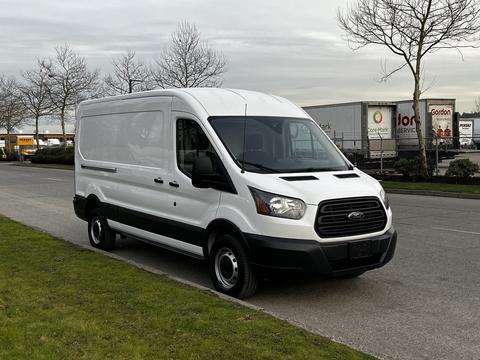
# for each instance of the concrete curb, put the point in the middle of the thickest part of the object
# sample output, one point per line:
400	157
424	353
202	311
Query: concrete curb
434	193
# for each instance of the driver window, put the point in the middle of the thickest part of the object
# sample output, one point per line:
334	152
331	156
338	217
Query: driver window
191	144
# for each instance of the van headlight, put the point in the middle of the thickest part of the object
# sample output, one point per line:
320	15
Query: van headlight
384	197
277	205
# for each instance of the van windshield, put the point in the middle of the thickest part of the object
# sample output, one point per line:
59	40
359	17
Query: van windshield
277	144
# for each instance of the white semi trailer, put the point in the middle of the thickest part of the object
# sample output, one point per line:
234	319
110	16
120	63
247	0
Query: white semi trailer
469	132
438	124
365	128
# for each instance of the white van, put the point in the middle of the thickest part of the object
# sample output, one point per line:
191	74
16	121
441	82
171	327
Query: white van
246	180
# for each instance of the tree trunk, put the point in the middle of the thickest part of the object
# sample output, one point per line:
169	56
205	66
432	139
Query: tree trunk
62	120
422	155
7	141
36	132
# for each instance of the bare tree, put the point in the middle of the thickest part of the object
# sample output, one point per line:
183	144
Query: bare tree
411	29
12	113
70	82
35	96
129	73
189	61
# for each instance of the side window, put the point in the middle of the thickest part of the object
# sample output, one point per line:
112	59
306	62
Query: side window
133	138
191	144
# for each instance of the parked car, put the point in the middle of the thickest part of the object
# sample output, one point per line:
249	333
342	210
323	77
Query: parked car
246	180
53	142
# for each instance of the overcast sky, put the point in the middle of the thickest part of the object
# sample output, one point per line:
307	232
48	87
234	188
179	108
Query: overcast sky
288	48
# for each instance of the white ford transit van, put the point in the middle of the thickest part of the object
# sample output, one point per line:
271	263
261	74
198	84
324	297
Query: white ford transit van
246	180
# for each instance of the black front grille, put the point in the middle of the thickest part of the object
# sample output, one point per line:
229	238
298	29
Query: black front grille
333	217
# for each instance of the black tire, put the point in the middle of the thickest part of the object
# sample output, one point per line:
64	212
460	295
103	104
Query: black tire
99	233
230	269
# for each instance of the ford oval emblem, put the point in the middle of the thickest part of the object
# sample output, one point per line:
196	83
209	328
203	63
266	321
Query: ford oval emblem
356	216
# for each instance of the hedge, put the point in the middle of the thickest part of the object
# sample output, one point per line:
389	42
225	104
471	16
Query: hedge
54	155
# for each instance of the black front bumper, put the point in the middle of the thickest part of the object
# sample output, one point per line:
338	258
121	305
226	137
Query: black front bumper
310	256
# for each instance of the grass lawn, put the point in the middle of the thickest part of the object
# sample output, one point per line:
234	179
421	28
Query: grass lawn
48	166
387	184
59	301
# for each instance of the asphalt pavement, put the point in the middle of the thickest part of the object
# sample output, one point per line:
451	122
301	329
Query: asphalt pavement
425	304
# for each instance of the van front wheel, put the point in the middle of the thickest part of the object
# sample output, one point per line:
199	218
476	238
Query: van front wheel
230	269
99	233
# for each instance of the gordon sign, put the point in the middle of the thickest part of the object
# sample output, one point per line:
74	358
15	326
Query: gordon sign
442	121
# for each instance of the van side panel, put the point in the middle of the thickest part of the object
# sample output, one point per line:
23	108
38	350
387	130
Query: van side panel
123	154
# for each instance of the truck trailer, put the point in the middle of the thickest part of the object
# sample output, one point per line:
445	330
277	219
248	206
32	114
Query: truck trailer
476	132
469	132
364	128
439	124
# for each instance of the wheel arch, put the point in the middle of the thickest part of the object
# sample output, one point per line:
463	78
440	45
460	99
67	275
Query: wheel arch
92	202
222	226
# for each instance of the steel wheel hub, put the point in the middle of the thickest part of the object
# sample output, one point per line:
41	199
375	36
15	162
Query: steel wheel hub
226	268
96	230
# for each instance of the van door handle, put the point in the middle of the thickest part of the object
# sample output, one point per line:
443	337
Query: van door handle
173	183
158	180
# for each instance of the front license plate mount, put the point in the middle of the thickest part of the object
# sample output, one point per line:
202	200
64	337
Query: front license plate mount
360	249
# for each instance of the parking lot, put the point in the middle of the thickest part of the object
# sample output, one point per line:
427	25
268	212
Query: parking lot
424	304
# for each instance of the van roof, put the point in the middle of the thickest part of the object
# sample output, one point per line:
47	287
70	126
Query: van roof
221	102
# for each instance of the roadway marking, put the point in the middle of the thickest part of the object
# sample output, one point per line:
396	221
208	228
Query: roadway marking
459	231
53	179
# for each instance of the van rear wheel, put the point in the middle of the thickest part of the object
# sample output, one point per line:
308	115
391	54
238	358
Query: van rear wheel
230	270
99	233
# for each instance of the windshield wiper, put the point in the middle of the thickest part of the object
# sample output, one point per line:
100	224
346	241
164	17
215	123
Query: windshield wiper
258	166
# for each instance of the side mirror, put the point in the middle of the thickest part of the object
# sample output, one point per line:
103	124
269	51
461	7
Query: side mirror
202	173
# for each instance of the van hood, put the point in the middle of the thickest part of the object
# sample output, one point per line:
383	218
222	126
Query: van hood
314	187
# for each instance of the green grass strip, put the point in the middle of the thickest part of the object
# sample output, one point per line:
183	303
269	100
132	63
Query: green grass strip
59	301
473	189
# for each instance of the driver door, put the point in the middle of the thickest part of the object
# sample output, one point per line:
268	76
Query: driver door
191	206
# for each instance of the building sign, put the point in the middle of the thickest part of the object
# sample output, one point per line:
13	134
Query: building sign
465	131
379	122
442	122
24	140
